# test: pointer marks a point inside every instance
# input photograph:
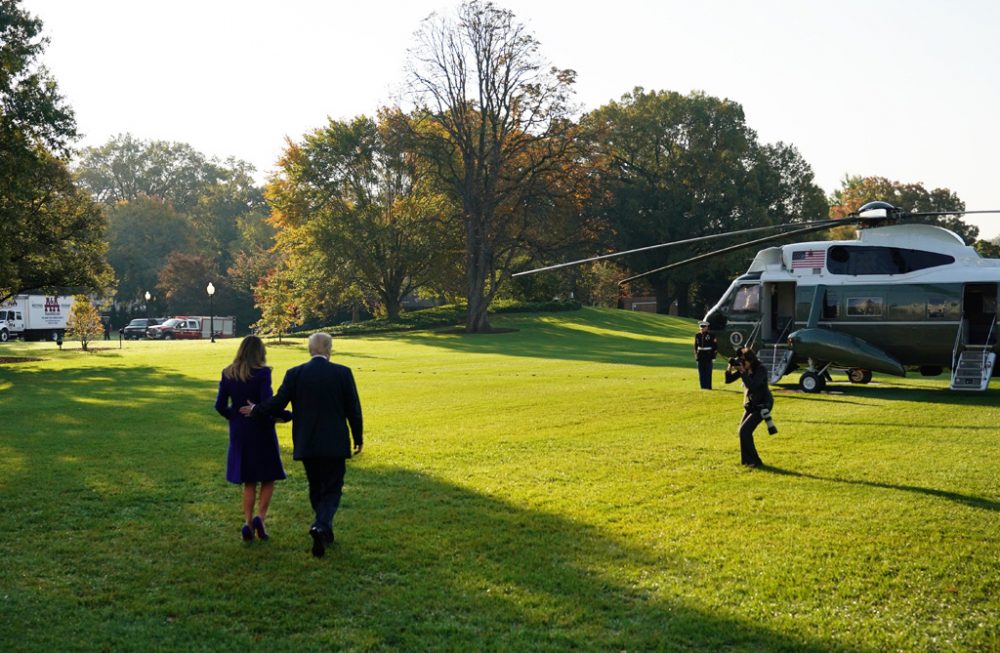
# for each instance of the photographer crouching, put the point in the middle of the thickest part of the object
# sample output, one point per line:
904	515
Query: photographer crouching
757	402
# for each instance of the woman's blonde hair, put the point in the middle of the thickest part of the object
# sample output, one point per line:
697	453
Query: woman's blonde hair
250	356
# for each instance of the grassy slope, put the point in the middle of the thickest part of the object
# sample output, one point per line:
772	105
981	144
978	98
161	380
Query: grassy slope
562	486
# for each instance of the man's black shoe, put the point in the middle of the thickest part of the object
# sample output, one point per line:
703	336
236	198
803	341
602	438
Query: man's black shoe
319	542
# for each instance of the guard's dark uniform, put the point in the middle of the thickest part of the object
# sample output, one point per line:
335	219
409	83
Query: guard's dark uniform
705	346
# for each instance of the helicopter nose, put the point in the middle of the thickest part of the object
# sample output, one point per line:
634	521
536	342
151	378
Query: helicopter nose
716	320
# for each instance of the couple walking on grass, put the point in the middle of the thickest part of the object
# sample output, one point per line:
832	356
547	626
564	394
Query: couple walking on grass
325	404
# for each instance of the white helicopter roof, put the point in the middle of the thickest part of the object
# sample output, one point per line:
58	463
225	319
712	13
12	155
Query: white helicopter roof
913	236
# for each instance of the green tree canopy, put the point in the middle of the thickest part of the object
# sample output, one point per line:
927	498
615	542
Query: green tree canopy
675	167
50	233
126	168
349	200
222	208
141	235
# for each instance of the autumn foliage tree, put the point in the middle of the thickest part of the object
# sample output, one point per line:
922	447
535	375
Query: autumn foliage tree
855	191
278	304
183	281
84	322
349	199
494	119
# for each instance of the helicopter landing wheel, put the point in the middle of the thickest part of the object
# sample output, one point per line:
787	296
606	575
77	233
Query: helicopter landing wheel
858	375
812	382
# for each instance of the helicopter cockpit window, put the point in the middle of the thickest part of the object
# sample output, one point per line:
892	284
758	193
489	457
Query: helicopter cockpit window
855	260
747	299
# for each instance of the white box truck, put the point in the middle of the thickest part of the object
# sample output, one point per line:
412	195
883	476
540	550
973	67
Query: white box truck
34	317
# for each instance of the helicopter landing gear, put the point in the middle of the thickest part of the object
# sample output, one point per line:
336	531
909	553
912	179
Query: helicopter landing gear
814	378
812	382
858	375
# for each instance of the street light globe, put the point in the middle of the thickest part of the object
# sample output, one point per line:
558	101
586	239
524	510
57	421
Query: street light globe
148	296
210	289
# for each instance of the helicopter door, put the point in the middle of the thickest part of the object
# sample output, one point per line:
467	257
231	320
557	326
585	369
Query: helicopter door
777	311
979	310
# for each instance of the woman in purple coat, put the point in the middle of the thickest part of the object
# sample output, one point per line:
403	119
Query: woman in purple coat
253	444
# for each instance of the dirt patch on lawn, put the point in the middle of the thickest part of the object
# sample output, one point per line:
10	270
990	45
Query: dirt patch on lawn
4	360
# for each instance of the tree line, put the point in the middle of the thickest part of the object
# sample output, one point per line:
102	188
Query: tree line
491	169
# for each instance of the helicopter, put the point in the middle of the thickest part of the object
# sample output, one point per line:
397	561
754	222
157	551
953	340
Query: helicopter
903	295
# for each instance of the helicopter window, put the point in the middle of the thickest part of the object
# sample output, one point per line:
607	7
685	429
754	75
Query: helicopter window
856	260
831	305
747	299
864	306
941	308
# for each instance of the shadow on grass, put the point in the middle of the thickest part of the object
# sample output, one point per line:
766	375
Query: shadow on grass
488	575
909	425
132	387
603	336
121	536
886	390
964	499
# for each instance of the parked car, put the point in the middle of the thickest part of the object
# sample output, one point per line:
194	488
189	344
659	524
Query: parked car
193	327
175	328
137	328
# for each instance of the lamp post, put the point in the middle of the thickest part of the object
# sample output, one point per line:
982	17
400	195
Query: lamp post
148	297
211	309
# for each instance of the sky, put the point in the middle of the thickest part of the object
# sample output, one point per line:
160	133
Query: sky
908	90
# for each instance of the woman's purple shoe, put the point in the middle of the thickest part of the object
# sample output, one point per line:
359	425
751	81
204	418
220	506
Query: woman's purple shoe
247	533
258	526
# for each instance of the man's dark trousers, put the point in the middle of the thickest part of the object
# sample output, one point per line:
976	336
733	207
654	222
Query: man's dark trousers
705	371
326	484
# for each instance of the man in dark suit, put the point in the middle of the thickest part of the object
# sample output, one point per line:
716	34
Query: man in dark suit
324	402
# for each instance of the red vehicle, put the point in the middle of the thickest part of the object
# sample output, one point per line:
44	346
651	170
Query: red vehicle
176	328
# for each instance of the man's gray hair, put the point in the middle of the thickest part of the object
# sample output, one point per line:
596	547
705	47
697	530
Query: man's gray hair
320	344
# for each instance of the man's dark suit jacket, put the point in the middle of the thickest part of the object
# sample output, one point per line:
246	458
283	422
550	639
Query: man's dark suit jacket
324	401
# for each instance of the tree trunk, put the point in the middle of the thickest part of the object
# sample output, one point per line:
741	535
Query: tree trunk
478	320
477	258
661	288
683	304
392	308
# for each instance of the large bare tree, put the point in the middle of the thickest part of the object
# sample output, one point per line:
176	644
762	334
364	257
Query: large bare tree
493	116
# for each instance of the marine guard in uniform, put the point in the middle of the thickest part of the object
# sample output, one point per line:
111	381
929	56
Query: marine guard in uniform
705	347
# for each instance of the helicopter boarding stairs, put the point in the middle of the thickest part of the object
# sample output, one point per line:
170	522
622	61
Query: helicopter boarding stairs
974	363
775	356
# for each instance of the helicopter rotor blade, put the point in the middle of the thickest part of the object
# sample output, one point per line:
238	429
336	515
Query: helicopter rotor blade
816	227
688	241
921	214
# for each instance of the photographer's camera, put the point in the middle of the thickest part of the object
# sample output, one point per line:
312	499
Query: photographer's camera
766	416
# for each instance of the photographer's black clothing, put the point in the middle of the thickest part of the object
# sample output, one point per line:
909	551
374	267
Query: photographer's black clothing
705	346
758	395
748	451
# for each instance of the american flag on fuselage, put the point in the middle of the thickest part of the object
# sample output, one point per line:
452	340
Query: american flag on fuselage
809	258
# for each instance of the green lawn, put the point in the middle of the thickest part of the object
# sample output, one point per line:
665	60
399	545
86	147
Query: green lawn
564	486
